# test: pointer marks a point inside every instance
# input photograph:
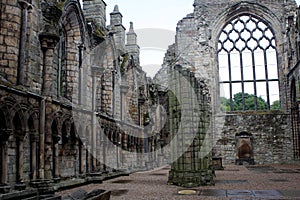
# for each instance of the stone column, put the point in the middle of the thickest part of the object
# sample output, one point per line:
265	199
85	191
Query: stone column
82	157
80	84
56	139
124	149
88	152
42	140
105	143
48	43
124	89
20	157
4	137
34	139
96	72
25	6
191	154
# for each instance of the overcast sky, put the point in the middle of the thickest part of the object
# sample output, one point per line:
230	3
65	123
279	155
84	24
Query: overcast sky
155	23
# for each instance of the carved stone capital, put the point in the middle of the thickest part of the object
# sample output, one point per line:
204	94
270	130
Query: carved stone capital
48	41
25	4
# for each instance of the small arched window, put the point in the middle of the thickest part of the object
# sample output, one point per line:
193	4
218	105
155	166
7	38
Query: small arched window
248	71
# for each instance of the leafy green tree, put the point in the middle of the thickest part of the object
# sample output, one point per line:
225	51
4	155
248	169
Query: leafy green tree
275	105
249	102
225	104
238	102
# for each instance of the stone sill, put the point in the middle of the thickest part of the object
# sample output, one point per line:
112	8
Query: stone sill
254	112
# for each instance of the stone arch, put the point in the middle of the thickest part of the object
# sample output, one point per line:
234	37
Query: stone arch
73	29
240	8
271	21
72	7
257	10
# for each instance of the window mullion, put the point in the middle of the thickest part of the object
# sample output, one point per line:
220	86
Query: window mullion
254	78
242	80
230	82
267	79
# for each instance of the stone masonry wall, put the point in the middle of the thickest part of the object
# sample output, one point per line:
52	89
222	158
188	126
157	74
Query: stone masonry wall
196	49
9	40
272	141
60	93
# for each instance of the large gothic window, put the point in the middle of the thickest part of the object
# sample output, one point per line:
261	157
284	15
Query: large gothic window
248	71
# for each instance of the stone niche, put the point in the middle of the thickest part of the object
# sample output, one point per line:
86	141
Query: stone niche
244	148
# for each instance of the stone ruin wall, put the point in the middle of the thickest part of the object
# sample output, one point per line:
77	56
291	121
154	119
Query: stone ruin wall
195	49
60	124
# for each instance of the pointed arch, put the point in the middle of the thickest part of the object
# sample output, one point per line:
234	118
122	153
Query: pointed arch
248	66
70	49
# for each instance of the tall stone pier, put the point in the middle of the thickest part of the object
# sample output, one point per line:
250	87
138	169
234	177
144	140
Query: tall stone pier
190	117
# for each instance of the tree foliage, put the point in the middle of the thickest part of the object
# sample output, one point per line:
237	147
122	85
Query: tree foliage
275	105
237	103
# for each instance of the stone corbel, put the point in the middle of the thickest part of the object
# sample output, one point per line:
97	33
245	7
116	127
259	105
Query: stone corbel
25	5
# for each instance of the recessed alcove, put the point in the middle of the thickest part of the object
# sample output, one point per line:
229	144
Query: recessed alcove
244	148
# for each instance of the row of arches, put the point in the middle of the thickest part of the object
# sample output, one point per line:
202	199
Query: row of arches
79	151
19	142
72	148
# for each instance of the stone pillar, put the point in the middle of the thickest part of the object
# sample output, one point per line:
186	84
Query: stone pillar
124	89
55	140
42	140
96	71
3	162
105	143
4	137
34	139
89	157
82	157
81	79
48	43
20	157
25	6
191	149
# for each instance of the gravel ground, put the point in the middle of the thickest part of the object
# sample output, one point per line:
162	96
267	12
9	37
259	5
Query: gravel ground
153	184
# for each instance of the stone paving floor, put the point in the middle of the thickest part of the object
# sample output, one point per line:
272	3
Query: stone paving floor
234	182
